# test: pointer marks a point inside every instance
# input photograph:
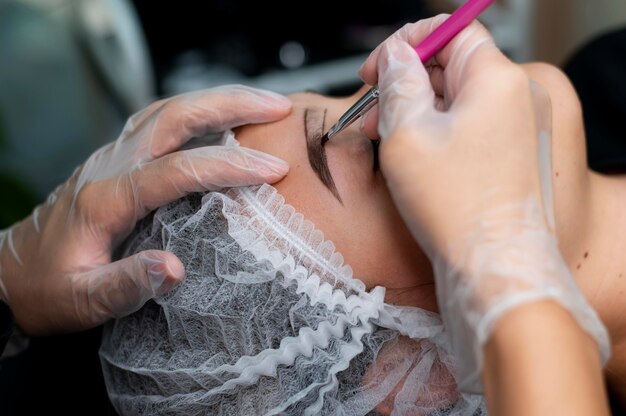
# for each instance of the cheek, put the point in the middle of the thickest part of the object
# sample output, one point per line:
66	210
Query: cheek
302	191
378	246
369	239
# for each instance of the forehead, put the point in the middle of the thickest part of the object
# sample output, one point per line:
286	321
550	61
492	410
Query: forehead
285	138
313	98
305	99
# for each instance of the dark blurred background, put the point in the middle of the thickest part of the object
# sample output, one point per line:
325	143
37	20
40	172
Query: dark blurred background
72	72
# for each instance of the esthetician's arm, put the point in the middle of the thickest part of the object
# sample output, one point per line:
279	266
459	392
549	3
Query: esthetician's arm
538	361
465	151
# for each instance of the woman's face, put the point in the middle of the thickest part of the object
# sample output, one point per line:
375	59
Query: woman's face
340	189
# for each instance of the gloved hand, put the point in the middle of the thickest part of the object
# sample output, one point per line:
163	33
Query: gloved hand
466	154
55	266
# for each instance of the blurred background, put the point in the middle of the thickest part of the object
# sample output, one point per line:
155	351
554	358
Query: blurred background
72	72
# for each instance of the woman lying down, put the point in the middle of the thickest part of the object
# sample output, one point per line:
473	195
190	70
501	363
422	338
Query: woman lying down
311	297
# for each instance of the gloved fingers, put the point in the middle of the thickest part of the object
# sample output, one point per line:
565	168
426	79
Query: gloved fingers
472	53
369	123
452	64
543	107
215	110
488	78
463	44
407	98
136	120
121	288
202	169
542	103
437	78
411	33
173	176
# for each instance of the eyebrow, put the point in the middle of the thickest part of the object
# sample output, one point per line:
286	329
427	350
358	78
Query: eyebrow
314	120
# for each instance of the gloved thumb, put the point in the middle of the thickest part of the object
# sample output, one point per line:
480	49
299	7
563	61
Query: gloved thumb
407	98
122	287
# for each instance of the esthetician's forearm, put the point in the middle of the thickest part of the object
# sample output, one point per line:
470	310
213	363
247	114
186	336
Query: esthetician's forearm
539	361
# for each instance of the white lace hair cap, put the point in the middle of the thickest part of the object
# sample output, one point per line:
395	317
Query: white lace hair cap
270	321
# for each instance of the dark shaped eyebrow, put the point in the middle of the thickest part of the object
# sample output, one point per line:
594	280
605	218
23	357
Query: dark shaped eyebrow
314	120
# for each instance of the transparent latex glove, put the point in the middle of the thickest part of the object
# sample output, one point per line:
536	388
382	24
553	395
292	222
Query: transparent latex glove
56	272
466	155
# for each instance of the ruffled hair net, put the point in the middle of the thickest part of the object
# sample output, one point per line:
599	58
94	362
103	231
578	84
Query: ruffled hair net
270	321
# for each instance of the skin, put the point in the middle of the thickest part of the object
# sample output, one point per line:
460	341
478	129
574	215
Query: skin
367	229
361	221
589	210
564	356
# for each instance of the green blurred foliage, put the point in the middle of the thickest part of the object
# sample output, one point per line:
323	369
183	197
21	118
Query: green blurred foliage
17	200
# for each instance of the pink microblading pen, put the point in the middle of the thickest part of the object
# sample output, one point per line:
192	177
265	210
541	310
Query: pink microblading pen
433	43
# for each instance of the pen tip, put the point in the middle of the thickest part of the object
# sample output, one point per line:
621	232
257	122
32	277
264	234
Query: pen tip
324	139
